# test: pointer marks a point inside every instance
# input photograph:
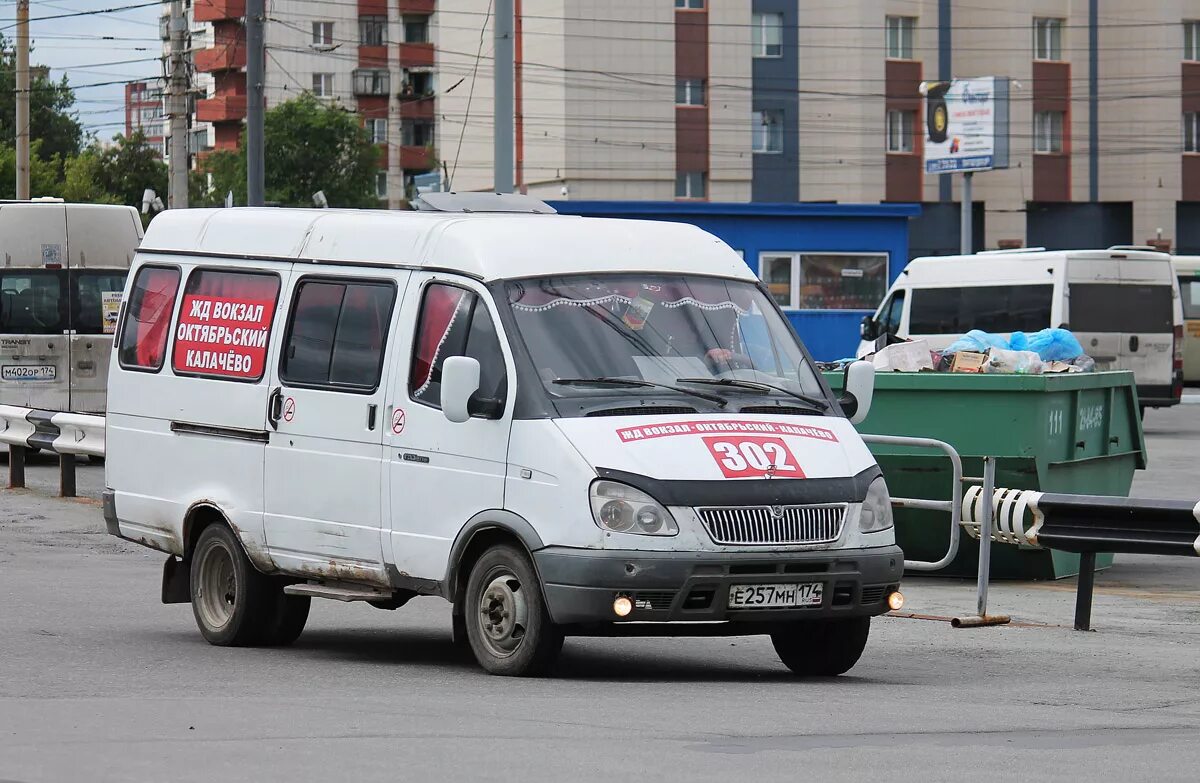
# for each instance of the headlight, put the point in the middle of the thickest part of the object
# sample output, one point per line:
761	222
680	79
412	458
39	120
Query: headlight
622	509
876	512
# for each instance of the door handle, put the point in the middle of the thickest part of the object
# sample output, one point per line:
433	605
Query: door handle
1133	342
371	408
275	407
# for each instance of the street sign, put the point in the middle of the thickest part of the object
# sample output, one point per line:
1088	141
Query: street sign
966	125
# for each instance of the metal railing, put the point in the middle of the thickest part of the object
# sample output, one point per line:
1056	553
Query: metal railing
66	434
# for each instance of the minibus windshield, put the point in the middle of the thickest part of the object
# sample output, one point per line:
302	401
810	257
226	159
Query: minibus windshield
587	333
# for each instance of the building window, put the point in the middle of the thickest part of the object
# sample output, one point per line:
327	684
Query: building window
372	30
766	35
1048	131
417	84
900	130
900	37
381	189
1047	39
371	82
689	92
766	130
1191	132
691	184
417	134
416	29
692	4
323	85
1191	40
322	33
377	129
825	281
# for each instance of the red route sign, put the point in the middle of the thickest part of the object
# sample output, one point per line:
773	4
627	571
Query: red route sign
223	337
744	456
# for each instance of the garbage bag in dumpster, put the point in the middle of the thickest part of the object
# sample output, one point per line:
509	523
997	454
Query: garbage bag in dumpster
1075	432
1054	345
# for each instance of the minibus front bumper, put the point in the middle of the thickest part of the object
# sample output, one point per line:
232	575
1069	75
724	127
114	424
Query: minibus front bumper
581	585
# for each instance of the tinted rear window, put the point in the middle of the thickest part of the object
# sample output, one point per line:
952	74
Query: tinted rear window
1024	308
1107	307
32	302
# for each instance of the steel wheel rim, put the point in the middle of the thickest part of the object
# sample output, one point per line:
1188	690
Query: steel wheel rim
503	613
217	590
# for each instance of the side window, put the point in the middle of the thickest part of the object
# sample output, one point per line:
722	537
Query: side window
95	297
337	334
890	323
143	341
455	322
224	324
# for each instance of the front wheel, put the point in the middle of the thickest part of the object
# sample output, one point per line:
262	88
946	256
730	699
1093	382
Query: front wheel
822	648
508	627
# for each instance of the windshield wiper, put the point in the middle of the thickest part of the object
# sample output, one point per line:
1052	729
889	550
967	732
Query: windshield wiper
813	402
631	382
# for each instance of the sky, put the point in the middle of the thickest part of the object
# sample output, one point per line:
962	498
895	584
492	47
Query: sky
92	49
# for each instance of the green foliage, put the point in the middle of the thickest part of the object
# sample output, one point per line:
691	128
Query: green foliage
82	178
45	176
51	119
226	171
128	167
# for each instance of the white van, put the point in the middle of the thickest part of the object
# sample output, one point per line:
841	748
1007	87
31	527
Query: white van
1122	304
1187	271
61	279
563	425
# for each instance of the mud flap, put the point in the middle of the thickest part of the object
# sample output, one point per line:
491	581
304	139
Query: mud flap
176	583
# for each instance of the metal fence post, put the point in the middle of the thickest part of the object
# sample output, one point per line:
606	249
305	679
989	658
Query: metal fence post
985	534
1083	591
66	475
16	467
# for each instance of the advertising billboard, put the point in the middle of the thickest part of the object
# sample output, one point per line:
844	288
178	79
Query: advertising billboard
966	125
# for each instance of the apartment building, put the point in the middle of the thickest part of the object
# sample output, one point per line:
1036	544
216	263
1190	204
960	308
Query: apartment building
374	57
144	112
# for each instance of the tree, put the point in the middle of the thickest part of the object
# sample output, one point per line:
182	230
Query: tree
309	146
82	178
45	175
51	119
125	169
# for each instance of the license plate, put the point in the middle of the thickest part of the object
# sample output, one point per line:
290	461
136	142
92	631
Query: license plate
28	372
775	596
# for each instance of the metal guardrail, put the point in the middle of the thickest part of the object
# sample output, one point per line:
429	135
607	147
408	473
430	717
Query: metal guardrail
1087	525
66	434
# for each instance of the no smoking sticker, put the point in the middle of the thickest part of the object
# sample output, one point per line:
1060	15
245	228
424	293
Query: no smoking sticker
398	421
289	409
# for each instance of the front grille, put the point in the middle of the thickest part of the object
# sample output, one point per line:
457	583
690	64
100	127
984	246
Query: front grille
653	599
774	525
873	595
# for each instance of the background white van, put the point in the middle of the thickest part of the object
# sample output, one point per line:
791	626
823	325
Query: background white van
1187	270
1123	305
61	277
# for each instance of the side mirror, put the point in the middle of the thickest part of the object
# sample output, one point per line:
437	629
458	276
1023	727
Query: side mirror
869	328
460	379
857	390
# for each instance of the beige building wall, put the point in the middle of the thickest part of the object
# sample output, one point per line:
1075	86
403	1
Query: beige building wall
729	104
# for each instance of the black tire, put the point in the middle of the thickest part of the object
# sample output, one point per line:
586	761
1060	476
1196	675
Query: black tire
234	605
822	648
286	618
508	627
937	119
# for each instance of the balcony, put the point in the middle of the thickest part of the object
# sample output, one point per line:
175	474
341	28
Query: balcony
223	108
414	158
371	82
416	108
416	55
416	6
216	10
224	56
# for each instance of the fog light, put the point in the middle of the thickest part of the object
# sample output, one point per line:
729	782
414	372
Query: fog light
895	601
622	606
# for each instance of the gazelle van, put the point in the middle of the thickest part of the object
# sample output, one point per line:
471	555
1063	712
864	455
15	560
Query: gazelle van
1122	303
562	425
61	277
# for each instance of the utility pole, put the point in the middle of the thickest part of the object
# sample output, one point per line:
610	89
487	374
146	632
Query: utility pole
255	65
177	191
22	97
505	57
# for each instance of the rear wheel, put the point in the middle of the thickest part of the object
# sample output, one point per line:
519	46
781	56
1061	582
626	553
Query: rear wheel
235	605
508	627
822	648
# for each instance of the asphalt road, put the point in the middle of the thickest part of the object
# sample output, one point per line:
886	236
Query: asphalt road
99	681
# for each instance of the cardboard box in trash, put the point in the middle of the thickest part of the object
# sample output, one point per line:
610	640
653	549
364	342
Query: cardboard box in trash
910	356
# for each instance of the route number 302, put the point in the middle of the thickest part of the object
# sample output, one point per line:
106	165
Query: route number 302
753	457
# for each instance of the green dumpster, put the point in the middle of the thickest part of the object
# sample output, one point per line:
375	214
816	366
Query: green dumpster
1077	433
